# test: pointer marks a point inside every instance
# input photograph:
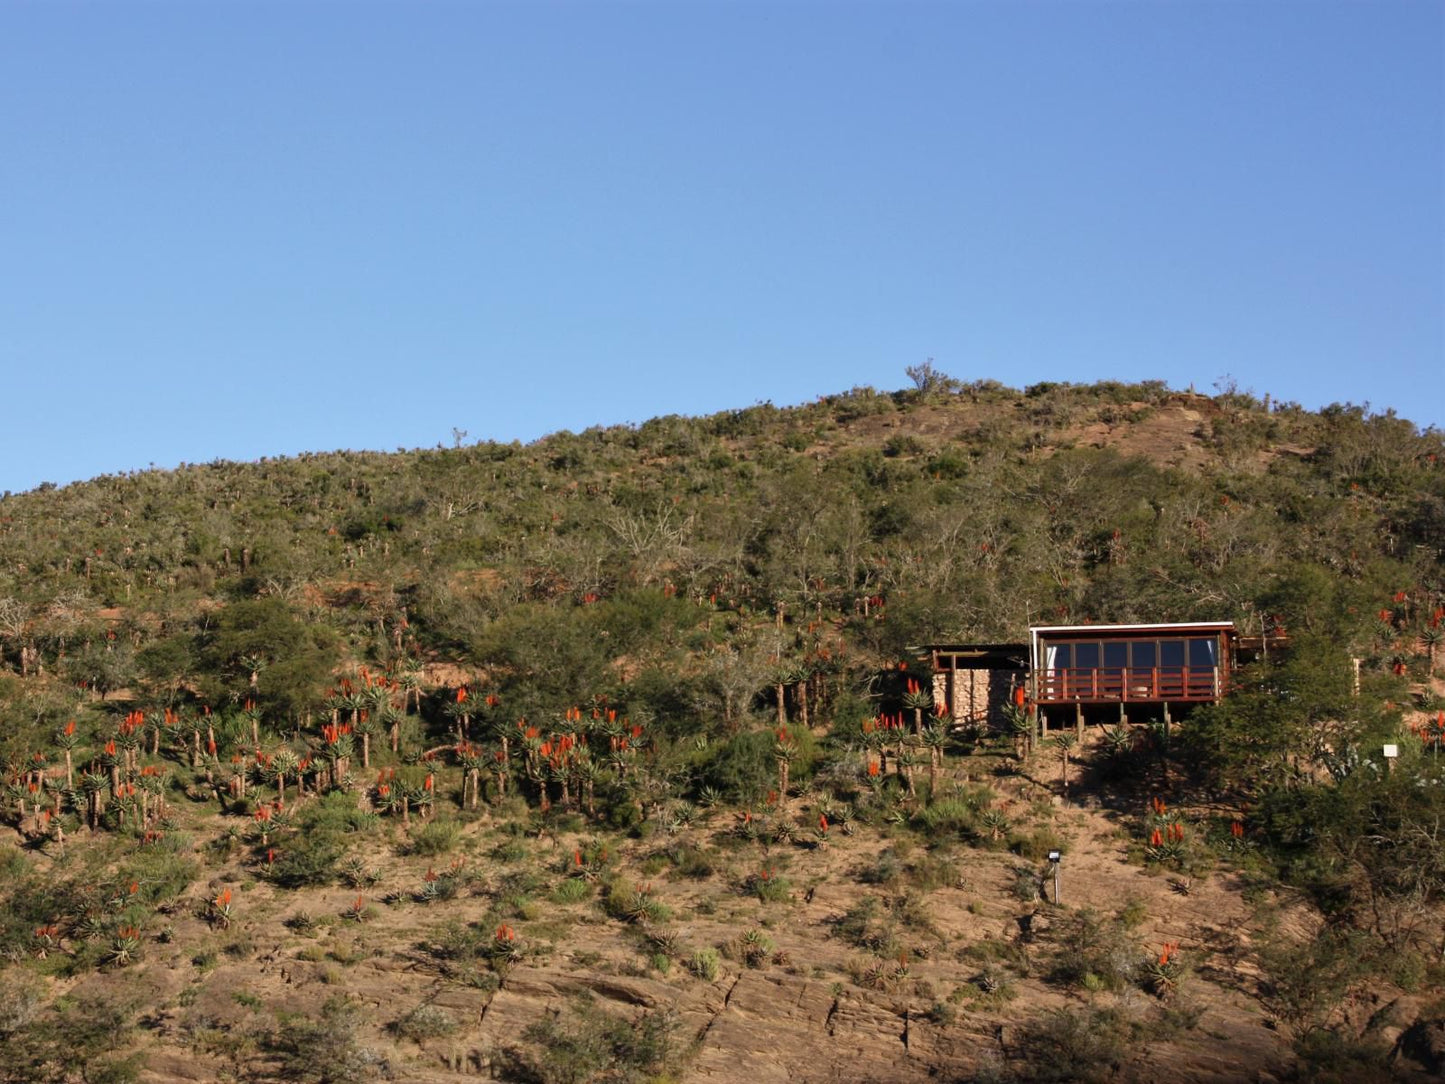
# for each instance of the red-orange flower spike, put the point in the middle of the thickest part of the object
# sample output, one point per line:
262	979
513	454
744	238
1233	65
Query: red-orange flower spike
1157	839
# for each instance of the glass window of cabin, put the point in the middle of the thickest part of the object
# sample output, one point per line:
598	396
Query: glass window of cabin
1204	653
1171	653
1086	656
1144	654
1116	654
1058	656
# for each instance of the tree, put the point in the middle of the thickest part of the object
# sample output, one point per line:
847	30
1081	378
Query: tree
104	667
14	622
298	658
326	1050
930	380
1281	711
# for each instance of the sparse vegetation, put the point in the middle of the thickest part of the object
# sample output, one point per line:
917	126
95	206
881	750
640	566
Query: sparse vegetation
621	696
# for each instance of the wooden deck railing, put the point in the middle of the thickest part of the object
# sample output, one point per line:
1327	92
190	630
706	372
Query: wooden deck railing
1129	684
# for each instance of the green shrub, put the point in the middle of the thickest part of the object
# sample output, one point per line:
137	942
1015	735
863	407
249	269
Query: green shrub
691	861
73	1040
1343	1058
1133	914
744	769
325	1050
1037	844
434	838
768	887
887	869
13	863
308	859
1093	952
572	890
934	871
704	963
868	925
510	850
752	948
947	815
1088	1045
1306	981
587	1044
426	1021
1027	884
626	901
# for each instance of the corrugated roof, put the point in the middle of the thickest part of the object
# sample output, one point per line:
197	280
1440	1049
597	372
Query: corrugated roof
1167	626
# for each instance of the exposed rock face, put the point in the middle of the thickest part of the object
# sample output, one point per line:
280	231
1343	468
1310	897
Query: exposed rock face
762	1027
1424	1044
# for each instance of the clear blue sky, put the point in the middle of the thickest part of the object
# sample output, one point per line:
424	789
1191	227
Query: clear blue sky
233	230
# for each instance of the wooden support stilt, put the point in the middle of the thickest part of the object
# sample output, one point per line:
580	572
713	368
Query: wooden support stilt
1079	720
951	689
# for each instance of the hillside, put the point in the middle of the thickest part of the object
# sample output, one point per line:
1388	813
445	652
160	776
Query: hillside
568	761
